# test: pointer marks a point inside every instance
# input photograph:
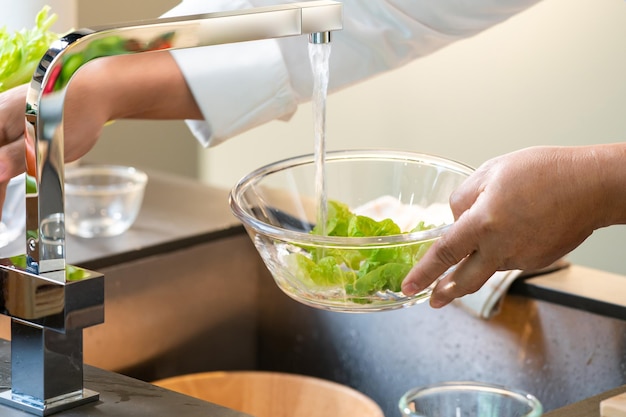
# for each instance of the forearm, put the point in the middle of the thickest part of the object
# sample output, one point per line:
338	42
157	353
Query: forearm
610	162
138	86
238	90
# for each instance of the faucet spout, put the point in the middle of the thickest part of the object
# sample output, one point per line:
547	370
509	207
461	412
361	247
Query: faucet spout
45	244
318	38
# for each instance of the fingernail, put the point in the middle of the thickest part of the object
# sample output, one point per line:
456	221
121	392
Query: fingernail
409	288
437	303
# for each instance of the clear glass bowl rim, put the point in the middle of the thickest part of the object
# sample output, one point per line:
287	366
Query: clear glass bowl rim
333	156
138	179
535	406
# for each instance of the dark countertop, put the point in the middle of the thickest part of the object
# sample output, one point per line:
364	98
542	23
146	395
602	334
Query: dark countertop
121	396
177	212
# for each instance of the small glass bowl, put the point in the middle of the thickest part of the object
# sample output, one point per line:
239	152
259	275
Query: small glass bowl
278	206
468	399
102	200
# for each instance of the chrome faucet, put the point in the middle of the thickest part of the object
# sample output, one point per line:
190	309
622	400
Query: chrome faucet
49	302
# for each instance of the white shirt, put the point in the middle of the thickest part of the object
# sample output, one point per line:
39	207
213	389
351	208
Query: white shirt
240	86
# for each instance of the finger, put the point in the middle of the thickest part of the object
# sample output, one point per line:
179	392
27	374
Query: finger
450	249
468	276
466	194
12	163
12	160
12	105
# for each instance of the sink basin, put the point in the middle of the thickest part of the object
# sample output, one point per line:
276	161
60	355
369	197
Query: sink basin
203	300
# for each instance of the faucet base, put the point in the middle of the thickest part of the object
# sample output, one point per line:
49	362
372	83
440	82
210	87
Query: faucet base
38	408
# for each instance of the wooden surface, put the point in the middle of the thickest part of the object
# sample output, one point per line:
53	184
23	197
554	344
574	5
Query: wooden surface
580	287
585	282
271	394
614	406
586	408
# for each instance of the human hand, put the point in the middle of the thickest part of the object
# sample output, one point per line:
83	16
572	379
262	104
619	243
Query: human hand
84	118
12	105
12	160
83	126
142	86
523	210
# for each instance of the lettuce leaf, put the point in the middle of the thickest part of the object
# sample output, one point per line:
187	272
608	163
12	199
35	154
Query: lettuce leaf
362	271
21	51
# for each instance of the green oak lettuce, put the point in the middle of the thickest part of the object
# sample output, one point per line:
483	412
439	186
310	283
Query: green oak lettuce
21	51
361	272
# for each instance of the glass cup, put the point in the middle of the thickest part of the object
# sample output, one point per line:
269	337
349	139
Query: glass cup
468	399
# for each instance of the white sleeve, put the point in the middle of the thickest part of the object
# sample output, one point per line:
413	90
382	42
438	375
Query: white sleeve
240	86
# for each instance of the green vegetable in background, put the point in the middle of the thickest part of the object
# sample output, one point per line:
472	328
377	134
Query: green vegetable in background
21	51
361	272
72	273
107	46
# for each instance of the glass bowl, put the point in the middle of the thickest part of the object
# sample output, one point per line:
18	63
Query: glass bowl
102	200
345	268
468	399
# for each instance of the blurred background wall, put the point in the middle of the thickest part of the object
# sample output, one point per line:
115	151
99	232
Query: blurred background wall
22	15
554	75
163	145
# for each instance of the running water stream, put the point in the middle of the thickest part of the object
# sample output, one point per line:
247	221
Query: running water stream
319	55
